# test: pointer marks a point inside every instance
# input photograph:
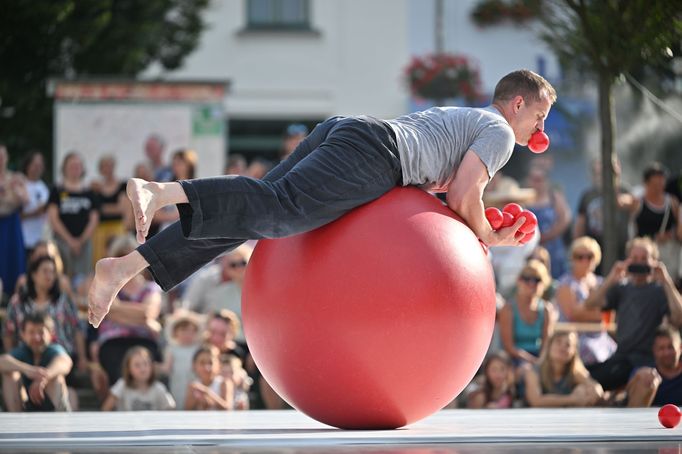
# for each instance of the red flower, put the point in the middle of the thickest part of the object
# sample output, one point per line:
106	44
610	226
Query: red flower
442	76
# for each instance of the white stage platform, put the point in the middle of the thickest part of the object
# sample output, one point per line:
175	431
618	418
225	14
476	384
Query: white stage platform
461	431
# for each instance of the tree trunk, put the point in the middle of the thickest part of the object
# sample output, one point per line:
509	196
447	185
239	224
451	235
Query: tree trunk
608	157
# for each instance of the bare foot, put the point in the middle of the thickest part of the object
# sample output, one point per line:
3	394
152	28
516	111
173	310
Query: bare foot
144	197
110	277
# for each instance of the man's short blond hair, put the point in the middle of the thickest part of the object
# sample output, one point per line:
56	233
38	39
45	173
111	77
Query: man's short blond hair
531	86
644	242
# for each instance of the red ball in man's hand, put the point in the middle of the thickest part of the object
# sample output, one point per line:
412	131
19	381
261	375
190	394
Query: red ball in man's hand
514	209
494	217
669	416
531	221
527	237
507	219
539	142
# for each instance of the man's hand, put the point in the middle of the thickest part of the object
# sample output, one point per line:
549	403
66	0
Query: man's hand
664	237
507	236
35	372
661	274
83	365
202	396
580	396
618	272
76	245
36	391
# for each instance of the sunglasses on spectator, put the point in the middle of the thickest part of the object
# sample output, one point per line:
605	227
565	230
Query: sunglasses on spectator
237	264
583	256
531	279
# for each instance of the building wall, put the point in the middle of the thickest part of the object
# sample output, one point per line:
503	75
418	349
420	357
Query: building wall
351	63
499	49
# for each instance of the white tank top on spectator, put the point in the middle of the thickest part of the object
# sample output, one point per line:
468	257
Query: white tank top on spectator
38	193
433	143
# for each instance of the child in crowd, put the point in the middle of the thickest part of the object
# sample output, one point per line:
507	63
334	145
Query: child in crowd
209	391
232	370
497	390
184	340
138	388
560	379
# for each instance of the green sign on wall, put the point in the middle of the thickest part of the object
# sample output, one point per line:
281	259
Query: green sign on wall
207	121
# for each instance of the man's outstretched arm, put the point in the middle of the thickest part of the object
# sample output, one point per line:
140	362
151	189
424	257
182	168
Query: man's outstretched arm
465	195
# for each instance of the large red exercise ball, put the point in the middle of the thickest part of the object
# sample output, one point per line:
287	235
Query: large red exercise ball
373	321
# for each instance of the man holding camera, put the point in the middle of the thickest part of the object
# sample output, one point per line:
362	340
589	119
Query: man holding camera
642	293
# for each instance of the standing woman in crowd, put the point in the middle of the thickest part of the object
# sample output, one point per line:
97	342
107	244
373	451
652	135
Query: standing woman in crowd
657	216
554	218
13	196
113	200
73	215
33	216
574	288
526	319
560	378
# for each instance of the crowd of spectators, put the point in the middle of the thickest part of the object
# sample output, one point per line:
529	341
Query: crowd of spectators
568	333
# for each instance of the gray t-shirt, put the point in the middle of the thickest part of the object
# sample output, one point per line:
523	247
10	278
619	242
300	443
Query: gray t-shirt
155	398
639	310
433	143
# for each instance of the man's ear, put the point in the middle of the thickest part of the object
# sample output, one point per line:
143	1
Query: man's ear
517	102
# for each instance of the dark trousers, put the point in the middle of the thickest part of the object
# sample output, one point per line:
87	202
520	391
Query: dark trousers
342	164
614	373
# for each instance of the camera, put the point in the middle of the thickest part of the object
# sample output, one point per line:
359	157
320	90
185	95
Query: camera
639	268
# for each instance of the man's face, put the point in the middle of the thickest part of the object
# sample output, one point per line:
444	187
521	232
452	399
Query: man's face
153	149
641	255
666	352
36	336
528	117
234	266
219	333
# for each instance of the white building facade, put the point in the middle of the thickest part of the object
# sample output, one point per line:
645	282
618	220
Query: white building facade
305	60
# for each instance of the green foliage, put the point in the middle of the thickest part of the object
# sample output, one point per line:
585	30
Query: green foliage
608	38
70	38
611	37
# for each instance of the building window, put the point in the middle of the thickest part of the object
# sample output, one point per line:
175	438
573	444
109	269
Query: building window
262	138
278	14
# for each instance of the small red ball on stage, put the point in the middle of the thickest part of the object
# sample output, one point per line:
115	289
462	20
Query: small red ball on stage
669	416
